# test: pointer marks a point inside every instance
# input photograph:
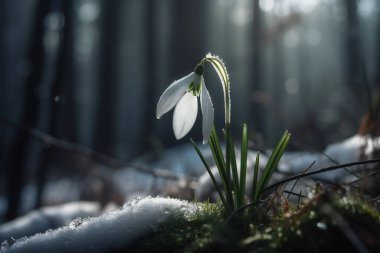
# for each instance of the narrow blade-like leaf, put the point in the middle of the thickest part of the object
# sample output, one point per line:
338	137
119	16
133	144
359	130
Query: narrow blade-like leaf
222	167
272	162
243	163
220	192
255	172
235	175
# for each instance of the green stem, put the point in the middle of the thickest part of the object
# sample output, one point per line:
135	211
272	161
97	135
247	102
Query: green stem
228	161
221	70
223	75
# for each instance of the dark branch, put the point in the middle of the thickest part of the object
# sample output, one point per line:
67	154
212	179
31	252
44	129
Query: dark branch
87	152
331	168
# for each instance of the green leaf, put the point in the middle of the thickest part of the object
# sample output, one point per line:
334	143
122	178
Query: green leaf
222	167
209	172
228	157
272	163
233	166
243	164
218	154
255	175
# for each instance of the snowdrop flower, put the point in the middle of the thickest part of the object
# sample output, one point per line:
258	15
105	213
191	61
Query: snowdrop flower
183	95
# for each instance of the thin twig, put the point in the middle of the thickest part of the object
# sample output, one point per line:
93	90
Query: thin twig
364	177
242	209
304	145
87	152
331	168
295	183
295	194
373	199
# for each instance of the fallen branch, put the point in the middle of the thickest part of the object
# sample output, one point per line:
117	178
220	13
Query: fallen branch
364	177
114	163
331	168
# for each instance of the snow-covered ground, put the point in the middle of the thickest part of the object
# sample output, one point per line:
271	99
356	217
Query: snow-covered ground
350	150
182	161
111	231
73	232
39	221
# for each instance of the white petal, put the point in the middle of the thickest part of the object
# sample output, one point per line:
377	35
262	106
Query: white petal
173	94
207	113
184	115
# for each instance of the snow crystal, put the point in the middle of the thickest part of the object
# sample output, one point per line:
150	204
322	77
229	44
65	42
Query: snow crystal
111	231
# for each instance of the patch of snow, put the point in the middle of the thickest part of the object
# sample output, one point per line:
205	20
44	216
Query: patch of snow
61	191
350	149
181	160
111	231
47	218
347	151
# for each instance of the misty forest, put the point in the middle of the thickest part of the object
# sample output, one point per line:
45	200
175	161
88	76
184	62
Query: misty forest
189	126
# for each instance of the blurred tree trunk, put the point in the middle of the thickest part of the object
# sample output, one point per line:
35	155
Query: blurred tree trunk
104	128
277	103
352	53
188	35
258	110
65	115
151	75
3	79
377	60
17	165
56	84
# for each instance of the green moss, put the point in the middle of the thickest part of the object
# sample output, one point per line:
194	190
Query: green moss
325	223
328	223
194	233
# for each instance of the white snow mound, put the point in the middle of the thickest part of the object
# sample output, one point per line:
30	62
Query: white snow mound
110	231
47	218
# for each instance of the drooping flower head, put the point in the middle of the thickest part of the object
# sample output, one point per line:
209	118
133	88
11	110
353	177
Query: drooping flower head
183	94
